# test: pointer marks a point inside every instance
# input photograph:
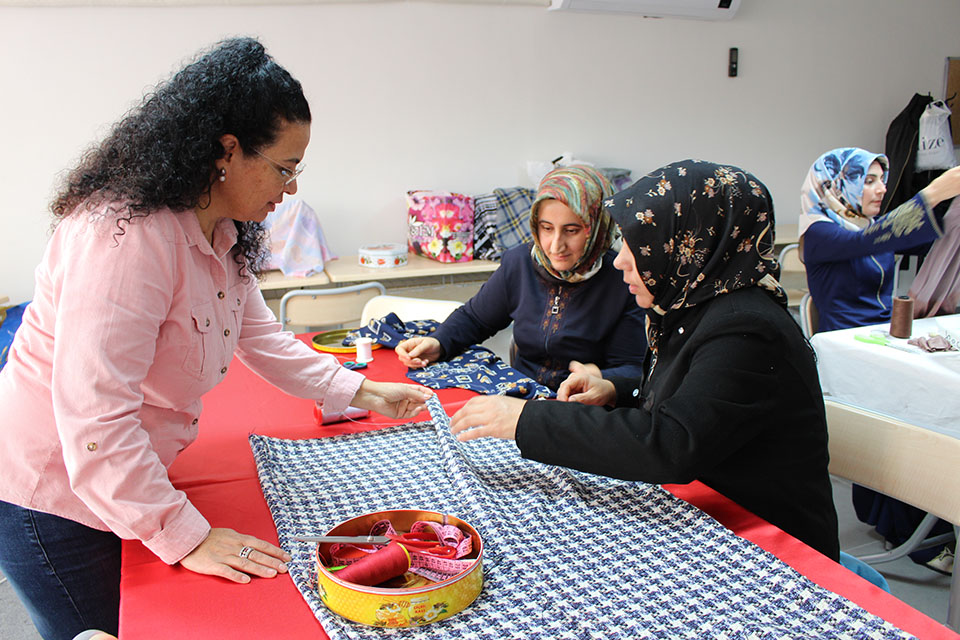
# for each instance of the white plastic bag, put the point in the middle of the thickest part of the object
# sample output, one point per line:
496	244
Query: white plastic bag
935	144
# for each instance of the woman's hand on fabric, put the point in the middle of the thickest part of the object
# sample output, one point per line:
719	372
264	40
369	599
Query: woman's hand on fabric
418	352
587	389
943	187
487	416
219	555
588	368
392	399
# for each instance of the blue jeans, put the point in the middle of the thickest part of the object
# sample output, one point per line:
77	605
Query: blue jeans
66	574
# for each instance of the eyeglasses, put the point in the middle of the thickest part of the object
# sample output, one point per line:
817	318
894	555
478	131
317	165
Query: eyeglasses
288	175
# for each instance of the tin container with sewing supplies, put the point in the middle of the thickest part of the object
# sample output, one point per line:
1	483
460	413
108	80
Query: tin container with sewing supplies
384	255
332	342
423	567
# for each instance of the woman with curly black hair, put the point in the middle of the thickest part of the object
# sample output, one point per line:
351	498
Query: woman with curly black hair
146	291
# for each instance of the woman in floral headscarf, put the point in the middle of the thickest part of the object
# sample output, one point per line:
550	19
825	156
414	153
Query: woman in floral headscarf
848	251
566	301
847	247
731	395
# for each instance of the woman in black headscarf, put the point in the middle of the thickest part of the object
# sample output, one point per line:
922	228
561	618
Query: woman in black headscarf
731	395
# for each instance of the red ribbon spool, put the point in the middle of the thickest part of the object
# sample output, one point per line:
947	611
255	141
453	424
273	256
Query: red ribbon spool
391	561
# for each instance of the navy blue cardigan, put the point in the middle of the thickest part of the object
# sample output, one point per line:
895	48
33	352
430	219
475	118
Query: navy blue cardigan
850	273
554	321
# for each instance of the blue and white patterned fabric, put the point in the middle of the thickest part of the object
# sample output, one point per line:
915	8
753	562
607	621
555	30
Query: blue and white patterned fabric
567	554
476	369
390	330
481	370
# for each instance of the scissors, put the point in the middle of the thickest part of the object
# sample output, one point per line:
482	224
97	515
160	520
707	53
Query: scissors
345	539
425	543
873	339
350	364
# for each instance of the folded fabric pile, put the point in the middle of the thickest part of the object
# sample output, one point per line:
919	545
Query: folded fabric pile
298	247
501	221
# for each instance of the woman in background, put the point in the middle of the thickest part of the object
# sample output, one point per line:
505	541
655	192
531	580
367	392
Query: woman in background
847	247
731	395
567	303
146	291
848	251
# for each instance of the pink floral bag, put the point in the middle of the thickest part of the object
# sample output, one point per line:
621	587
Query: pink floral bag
440	225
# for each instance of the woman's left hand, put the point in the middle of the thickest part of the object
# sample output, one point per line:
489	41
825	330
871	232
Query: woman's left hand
493	416
391	399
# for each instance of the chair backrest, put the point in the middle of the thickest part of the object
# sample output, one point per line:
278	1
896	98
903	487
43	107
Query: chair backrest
407	308
898	459
793	275
327	307
809	319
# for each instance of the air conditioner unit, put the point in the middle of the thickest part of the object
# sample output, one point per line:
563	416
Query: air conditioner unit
695	9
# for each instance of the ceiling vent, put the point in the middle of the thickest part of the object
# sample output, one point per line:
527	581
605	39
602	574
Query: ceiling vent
694	9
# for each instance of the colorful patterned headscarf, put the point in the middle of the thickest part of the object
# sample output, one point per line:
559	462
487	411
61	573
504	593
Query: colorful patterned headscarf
583	189
833	189
697	230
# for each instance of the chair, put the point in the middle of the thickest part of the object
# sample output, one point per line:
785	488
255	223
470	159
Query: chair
809	320
793	275
407	308
904	461
327	307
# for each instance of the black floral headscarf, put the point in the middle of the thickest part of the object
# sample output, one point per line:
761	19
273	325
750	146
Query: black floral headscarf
697	230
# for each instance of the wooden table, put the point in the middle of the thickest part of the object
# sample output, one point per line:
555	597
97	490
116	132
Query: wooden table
348	269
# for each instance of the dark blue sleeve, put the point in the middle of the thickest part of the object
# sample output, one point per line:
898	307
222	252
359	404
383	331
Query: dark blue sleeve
483	315
627	345
912	223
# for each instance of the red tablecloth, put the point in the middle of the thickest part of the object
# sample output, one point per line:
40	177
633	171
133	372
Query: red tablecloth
219	475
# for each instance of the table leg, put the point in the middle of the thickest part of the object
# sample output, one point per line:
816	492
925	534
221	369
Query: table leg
953	609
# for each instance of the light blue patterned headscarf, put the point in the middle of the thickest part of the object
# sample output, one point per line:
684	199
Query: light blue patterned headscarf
833	189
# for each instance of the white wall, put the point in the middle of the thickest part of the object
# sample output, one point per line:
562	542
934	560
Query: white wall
460	96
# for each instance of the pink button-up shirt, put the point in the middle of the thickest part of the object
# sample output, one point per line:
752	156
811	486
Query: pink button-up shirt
130	325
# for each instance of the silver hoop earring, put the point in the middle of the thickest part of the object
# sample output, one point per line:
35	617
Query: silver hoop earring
223	175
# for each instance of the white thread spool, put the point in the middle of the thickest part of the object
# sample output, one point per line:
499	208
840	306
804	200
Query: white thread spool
364	349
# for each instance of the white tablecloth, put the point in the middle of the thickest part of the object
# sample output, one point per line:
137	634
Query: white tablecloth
917	387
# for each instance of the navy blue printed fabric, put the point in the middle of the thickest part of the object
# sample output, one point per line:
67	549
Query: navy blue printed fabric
477	368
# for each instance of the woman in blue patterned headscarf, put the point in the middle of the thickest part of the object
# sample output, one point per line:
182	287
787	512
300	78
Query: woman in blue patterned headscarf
835	184
848	247
848	250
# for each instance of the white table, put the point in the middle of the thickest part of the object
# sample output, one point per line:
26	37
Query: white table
917	387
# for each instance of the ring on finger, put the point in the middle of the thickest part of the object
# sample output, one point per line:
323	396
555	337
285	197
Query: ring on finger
246	551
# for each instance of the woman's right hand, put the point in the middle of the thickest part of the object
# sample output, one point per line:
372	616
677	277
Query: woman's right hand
587	389
943	187
418	352
218	555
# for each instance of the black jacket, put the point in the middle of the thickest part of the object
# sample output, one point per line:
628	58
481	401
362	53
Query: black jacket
734	401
